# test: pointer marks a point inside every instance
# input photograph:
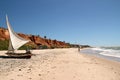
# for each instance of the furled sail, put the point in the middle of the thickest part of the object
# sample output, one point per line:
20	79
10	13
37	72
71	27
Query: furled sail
15	40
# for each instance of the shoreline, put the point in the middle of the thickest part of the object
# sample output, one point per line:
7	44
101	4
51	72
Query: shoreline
88	51
59	64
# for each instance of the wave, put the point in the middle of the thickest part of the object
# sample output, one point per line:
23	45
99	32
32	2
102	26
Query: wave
104	51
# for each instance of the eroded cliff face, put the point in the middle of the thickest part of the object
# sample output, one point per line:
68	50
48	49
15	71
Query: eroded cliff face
4	34
35	41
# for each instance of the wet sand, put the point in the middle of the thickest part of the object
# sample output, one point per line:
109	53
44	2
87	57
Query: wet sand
58	64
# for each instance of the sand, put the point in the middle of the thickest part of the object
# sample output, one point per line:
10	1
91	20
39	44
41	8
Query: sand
59	64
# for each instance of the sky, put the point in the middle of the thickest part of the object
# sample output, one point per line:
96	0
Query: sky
86	22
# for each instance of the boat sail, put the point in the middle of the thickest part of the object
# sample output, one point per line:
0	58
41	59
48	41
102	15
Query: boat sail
15	41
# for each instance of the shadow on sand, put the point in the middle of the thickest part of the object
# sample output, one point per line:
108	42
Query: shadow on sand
11	57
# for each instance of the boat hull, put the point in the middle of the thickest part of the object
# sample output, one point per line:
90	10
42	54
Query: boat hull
19	55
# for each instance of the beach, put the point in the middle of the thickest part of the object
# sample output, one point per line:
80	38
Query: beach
59	64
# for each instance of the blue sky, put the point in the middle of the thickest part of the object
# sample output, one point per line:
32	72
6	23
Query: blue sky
92	22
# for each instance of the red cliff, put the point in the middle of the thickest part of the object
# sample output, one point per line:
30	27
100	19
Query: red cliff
35	41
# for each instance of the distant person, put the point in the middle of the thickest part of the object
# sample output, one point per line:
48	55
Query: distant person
79	48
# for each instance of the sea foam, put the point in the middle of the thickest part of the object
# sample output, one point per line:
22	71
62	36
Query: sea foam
105	52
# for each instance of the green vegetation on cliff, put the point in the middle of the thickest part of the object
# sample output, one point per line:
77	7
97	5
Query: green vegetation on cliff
4	44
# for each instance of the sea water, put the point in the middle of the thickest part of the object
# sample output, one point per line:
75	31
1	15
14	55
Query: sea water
112	53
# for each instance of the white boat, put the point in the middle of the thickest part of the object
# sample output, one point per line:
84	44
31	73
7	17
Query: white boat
15	43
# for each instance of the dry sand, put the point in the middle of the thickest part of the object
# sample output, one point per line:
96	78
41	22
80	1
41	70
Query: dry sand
59	64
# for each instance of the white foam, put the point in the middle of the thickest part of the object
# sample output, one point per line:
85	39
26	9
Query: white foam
110	52
106	52
98	49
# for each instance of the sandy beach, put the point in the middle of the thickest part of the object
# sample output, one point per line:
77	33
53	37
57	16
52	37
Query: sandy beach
59	64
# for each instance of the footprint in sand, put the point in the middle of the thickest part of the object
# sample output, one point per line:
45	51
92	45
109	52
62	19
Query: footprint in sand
53	67
39	74
30	78
19	75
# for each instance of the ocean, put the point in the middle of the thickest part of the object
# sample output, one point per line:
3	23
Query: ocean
111	53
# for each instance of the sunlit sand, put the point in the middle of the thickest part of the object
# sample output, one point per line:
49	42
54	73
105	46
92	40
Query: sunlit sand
58	64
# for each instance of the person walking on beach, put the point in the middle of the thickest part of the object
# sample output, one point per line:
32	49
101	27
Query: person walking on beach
79	48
